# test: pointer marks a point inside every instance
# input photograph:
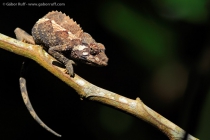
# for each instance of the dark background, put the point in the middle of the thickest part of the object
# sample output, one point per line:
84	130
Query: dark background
158	51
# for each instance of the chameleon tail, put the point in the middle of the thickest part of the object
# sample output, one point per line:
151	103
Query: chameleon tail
25	37
27	102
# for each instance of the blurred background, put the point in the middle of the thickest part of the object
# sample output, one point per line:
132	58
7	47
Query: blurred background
158	51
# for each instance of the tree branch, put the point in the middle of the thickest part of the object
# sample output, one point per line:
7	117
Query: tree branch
87	90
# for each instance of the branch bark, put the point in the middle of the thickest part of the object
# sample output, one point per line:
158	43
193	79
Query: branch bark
87	90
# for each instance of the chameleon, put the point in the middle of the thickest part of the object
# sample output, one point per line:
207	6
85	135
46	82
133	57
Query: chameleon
64	39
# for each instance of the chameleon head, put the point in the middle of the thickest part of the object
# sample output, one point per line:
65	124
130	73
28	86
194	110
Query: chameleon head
90	54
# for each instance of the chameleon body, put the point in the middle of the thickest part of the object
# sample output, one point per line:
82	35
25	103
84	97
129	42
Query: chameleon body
64	39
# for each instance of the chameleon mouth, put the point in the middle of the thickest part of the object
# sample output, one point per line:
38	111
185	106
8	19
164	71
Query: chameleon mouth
104	62
97	60
100	59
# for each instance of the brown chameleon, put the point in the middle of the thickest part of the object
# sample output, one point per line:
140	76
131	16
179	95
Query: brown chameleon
64	40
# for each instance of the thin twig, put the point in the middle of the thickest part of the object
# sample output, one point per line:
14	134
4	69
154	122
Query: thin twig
87	90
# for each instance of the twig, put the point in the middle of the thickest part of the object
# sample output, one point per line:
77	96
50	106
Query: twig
87	90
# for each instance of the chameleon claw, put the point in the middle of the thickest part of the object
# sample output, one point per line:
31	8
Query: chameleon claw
69	67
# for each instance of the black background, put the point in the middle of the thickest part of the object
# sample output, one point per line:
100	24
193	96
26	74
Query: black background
57	104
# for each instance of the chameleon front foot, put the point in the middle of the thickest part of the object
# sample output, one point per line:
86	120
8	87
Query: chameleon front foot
69	67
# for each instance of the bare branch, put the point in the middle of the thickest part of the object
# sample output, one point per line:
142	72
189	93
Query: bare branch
87	90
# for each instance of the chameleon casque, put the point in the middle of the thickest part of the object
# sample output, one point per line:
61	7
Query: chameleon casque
64	40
